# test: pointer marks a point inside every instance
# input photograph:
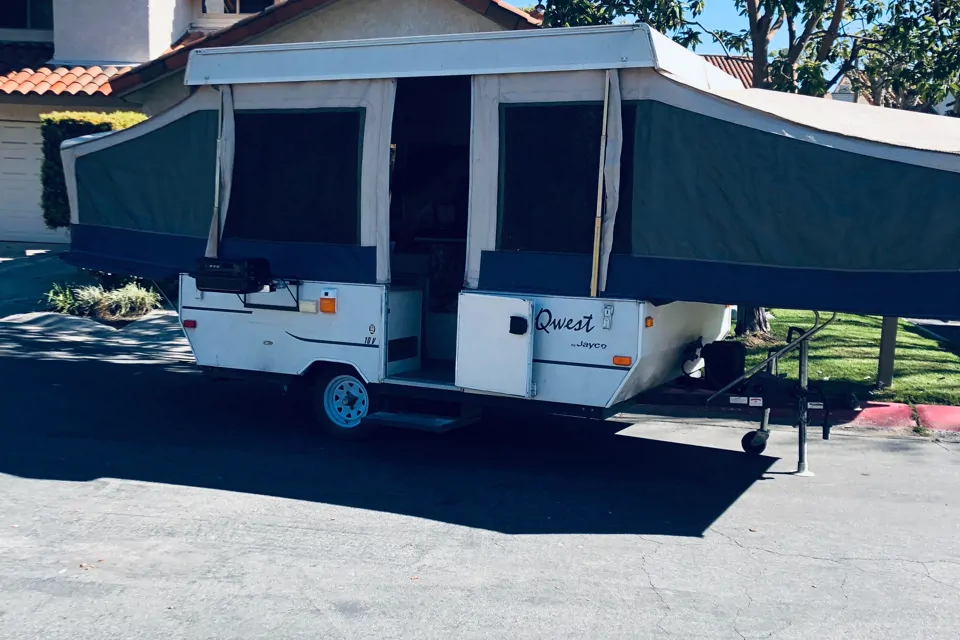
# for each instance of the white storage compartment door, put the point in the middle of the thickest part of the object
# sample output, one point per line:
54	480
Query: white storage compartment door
495	344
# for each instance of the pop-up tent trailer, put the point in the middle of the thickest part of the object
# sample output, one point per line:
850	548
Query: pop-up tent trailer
734	194
579	180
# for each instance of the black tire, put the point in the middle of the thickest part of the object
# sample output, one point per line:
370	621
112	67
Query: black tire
754	443
340	400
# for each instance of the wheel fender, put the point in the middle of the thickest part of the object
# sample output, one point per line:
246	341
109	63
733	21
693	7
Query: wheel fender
320	365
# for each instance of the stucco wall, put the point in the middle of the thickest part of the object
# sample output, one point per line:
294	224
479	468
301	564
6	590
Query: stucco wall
345	20
101	30
117	30
161	95
169	19
24	112
355	19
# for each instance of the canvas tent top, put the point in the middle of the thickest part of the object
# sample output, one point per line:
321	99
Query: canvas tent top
555	50
712	192
550	50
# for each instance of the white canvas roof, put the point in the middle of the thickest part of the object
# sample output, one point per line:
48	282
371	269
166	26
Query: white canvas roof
542	51
625	47
890	126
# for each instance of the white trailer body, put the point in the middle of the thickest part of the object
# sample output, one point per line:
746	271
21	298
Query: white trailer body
589	352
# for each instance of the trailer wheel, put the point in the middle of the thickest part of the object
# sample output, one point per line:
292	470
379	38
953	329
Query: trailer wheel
755	442
340	403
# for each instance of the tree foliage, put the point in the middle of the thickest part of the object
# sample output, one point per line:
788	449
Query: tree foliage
911	59
906	54
678	18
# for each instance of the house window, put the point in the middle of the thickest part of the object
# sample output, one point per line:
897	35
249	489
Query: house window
235	6
27	14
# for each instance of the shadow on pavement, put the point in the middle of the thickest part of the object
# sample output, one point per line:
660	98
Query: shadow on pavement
68	416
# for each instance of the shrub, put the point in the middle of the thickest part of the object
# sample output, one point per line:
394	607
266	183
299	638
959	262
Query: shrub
62	300
125	303
129	301
64	125
87	300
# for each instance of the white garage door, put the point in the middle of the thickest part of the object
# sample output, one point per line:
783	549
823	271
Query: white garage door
21	156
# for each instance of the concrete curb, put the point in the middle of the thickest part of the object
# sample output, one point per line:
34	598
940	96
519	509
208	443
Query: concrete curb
939	418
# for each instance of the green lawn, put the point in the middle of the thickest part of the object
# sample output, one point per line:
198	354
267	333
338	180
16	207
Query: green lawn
844	357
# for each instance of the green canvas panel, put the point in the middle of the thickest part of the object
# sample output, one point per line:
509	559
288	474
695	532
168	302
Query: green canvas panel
162	181
706	189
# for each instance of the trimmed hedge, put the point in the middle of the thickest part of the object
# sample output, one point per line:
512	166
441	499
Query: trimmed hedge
64	125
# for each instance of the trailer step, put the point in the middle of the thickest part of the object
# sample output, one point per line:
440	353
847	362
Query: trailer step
420	421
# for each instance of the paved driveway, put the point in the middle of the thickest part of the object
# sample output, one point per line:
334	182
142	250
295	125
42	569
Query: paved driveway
28	272
141	501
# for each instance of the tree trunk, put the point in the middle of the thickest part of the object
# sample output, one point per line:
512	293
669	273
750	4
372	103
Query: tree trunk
751	320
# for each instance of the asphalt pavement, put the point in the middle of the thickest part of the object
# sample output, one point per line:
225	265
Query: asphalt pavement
141	500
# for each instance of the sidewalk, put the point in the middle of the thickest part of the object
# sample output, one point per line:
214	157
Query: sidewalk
873	415
947	331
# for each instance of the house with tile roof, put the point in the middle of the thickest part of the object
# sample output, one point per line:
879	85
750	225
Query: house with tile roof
740	67
131	54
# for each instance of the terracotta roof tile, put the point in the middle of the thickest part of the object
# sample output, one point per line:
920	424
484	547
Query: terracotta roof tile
176	57
24	70
740	67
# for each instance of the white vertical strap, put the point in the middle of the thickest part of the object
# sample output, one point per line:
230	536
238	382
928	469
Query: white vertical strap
595	265
377	98
484	174
213	236
386	103
228	146
611	175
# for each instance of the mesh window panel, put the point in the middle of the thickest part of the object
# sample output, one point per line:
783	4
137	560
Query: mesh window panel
14	15
41	14
296	177
549	159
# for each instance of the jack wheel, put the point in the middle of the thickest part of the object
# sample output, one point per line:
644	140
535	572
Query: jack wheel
754	442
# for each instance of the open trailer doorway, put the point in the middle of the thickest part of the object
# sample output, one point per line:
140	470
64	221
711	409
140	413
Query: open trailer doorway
429	196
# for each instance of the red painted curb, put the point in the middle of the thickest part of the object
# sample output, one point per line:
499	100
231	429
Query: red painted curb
939	418
887	415
878	415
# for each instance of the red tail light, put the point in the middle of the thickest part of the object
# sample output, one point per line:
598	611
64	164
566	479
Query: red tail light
189	324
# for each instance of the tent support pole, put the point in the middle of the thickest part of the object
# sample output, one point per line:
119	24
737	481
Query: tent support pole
216	184
595	274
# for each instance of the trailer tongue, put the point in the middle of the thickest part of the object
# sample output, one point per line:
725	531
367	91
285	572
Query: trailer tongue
552	221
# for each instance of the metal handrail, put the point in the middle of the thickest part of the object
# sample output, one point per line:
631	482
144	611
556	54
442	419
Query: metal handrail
817	327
